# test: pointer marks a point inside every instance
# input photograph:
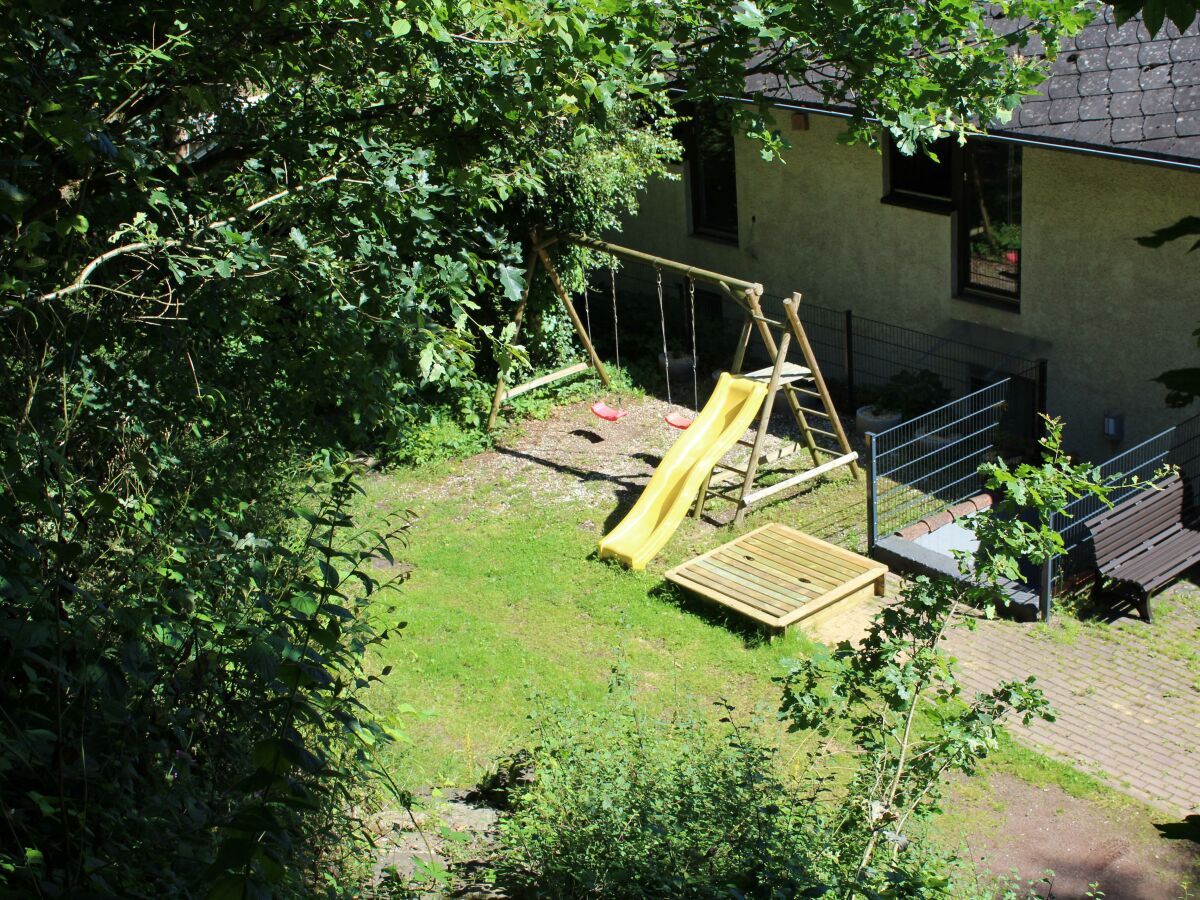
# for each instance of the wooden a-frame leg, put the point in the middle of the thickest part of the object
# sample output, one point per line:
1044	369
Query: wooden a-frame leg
764	332
698	509
764	421
498	398
575	320
792	309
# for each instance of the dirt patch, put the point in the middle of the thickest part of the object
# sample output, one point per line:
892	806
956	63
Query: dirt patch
1030	830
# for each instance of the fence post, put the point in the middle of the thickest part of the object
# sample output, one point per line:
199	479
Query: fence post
872	513
1046	588
848	357
1040	402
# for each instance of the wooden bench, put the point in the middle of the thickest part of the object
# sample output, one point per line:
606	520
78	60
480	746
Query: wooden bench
1143	543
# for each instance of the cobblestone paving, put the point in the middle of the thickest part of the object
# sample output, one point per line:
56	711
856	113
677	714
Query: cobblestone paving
1127	695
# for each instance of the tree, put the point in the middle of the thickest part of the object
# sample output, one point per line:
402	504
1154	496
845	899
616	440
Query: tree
240	239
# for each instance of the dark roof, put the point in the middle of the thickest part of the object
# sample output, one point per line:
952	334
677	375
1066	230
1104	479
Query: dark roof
1113	88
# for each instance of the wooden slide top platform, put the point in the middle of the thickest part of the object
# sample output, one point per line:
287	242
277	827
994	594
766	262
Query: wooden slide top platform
791	372
780	576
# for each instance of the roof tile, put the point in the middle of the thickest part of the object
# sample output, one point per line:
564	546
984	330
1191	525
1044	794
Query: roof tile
1154	53
1187	98
1185	73
1126	131
1158	126
1092	36
1093	108
1157	76
1185	48
1187	124
1159	100
1034	112
1120	58
1125	104
1065	110
1093	83
1064	86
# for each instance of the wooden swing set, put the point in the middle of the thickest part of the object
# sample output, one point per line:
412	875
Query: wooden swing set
797	382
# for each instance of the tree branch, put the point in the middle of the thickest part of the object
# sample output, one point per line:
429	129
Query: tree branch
81	281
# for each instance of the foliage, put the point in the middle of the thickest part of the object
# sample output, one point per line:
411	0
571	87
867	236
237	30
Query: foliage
238	235
912	393
235	235
1154	12
622	804
192	711
880	688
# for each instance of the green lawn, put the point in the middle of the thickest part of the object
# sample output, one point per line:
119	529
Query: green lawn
508	611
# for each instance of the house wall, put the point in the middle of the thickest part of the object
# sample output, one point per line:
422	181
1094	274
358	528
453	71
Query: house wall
1107	313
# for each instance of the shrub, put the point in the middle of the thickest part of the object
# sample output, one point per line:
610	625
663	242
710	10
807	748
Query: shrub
623	804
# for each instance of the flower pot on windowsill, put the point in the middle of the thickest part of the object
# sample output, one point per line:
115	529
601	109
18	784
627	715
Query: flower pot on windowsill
868	418
676	365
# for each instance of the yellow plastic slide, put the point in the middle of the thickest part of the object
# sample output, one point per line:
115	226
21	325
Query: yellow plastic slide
676	482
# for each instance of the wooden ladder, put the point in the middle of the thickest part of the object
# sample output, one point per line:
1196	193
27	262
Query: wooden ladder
796	381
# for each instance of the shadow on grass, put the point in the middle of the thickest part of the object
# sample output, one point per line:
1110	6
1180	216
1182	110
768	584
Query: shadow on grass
751	633
1187	830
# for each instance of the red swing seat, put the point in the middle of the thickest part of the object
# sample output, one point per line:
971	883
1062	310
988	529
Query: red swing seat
675	420
606	412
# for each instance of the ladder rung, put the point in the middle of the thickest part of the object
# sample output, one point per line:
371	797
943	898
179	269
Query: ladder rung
742	442
730	468
827	451
805	391
824	433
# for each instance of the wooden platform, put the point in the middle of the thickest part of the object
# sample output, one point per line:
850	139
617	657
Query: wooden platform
790	372
780	576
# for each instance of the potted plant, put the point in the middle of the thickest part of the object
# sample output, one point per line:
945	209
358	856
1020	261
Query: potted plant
904	395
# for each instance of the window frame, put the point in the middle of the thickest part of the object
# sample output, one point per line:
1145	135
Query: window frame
964	289
893	196
693	176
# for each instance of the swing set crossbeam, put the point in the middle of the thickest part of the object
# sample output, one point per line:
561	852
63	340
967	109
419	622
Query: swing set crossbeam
542	381
781	375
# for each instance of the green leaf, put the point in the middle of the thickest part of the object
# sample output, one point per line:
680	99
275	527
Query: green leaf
513	281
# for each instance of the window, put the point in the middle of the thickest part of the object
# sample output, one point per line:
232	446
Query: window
712	178
989	222
981	184
919	181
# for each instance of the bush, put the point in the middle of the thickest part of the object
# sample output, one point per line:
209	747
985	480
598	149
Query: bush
623	804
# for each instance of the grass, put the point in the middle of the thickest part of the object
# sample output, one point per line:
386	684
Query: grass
508	610
505	603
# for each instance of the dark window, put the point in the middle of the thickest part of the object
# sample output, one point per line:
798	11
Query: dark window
920	181
712	178
989	222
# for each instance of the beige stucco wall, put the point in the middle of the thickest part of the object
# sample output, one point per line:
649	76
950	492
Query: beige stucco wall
1109	313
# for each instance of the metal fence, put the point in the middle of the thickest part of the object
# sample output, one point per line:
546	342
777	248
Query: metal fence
858	355
929	463
861	355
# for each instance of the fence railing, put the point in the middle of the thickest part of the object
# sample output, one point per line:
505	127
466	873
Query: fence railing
864	354
922	466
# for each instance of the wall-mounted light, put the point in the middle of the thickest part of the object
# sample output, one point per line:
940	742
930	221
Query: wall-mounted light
1114	426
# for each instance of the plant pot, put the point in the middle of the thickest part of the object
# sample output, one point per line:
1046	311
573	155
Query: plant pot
676	366
868	418
939	439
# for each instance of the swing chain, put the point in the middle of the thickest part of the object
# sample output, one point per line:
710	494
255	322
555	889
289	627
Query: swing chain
587	311
662	321
612	276
695	358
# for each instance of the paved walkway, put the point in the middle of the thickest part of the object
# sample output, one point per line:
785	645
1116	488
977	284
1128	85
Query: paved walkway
1127	695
